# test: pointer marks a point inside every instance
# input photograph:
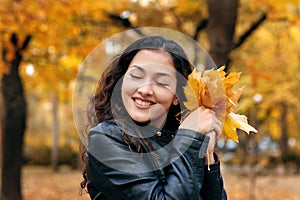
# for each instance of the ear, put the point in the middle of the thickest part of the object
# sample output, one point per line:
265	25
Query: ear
175	102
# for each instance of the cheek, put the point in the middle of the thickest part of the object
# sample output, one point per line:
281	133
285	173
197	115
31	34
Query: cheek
165	97
127	88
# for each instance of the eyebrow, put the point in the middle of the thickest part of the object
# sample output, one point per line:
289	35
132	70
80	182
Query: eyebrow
138	67
164	74
158	73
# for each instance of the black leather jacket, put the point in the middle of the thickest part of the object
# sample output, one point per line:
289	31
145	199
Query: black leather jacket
176	170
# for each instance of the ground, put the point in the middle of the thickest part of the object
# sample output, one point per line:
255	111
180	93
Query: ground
275	186
64	185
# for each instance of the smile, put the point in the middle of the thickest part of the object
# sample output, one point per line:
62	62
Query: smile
143	103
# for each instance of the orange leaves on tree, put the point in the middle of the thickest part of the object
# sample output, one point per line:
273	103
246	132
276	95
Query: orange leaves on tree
214	90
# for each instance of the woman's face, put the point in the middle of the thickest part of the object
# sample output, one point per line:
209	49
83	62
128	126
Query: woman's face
149	87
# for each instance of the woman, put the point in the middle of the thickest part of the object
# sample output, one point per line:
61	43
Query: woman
137	148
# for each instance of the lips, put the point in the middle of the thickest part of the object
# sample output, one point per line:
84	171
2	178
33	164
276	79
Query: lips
143	103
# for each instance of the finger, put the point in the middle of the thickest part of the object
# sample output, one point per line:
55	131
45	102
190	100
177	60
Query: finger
212	140
218	128
218	132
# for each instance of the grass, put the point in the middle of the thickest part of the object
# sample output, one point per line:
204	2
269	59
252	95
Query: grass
42	182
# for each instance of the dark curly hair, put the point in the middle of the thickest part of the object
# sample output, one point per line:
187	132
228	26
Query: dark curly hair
100	104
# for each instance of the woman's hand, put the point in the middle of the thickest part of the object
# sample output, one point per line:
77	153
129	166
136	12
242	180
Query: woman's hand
204	121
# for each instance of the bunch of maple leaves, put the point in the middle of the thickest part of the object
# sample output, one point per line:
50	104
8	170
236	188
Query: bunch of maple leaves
214	89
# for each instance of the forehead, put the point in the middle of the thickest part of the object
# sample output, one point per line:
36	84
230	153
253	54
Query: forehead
158	57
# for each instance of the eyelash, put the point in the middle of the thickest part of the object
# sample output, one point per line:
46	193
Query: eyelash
135	76
158	83
161	84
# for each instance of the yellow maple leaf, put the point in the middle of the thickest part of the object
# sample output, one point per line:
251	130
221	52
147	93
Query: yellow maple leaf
192	90
235	121
214	90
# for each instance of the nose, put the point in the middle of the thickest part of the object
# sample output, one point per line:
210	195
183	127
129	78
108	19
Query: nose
146	89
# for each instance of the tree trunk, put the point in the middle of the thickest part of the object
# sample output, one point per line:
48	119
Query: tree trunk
55	133
221	29
14	123
13	131
284	137
1	127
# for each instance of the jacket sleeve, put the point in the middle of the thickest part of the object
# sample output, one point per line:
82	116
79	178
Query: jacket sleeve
117	173
213	182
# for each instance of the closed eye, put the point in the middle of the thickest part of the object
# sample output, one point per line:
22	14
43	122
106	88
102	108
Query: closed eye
135	76
162	84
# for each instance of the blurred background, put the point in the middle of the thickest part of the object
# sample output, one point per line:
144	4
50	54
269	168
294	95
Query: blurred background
43	43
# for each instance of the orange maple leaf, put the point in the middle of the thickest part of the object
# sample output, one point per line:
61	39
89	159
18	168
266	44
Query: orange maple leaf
214	90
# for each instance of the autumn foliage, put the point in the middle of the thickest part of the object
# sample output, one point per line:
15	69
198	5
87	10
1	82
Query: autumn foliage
214	90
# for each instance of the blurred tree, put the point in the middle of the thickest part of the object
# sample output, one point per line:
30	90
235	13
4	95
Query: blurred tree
1	124
14	118
221	28
272	62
